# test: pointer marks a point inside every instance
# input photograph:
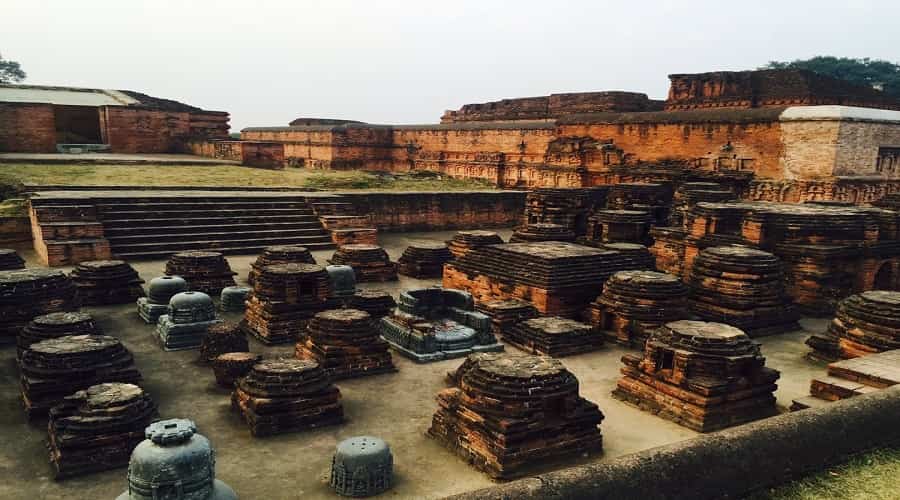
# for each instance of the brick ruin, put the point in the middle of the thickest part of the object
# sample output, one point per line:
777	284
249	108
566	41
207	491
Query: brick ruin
782	135
36	119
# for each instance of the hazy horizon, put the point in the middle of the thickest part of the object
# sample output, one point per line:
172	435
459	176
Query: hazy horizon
406	62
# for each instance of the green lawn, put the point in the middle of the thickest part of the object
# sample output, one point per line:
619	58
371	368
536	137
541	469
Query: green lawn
227	175
873	476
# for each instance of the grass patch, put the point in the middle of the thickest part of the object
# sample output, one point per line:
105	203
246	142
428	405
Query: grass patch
230	176
872	476
13	207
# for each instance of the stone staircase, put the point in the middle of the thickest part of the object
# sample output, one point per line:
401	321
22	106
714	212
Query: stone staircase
154	227
852	377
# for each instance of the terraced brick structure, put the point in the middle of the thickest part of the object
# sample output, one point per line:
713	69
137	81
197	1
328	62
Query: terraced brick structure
865	323
742	287
432	324
287	395
207	272
568	207
10	260
506	313
28	293
553	336
542	231
849	378
619	226
828	252
104	282
346	344
634	303
424	260
378	303
97	428
558	278
284	298
54	325
704	376
222	338
56	368
369	262
507	414
231	366
279	254
464	242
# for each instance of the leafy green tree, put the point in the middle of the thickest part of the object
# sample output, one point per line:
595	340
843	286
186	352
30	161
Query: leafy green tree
10	71
876	73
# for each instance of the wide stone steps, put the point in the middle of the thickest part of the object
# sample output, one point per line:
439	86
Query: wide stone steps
189	214
207	221
213	227
230	246
222	234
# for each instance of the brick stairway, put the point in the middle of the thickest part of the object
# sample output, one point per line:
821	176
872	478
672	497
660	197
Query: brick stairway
156	226
852	377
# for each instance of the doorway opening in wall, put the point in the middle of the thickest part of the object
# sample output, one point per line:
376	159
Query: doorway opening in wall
78	128
885	278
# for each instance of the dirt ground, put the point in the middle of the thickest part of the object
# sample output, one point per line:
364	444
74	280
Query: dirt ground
397	407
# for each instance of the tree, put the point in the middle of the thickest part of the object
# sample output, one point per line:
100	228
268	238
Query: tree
10	71
876	73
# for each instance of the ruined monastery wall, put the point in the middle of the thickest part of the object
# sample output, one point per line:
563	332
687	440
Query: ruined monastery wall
27	128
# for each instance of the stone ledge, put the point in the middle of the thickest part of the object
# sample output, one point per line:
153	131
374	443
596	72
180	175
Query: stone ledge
725	464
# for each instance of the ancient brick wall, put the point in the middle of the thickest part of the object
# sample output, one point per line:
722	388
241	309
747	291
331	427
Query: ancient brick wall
14	230
552	106
139	130
249	153
429	211
858	147
27	128
209	124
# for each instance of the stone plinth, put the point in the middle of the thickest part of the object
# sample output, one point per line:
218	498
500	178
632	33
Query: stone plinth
704	376
231	366
190	315
378	303
159	293
542	231
346	344
287	395
54	325
431	324
508	413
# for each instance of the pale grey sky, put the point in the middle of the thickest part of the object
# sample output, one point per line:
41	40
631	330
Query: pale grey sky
382	61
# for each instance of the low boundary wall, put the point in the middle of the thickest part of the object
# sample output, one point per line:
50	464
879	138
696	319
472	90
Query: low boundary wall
726	464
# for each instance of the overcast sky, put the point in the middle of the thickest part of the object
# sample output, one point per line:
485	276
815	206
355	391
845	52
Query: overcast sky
382	61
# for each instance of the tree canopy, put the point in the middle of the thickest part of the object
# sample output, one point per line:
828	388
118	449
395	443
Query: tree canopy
10	71
876	73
